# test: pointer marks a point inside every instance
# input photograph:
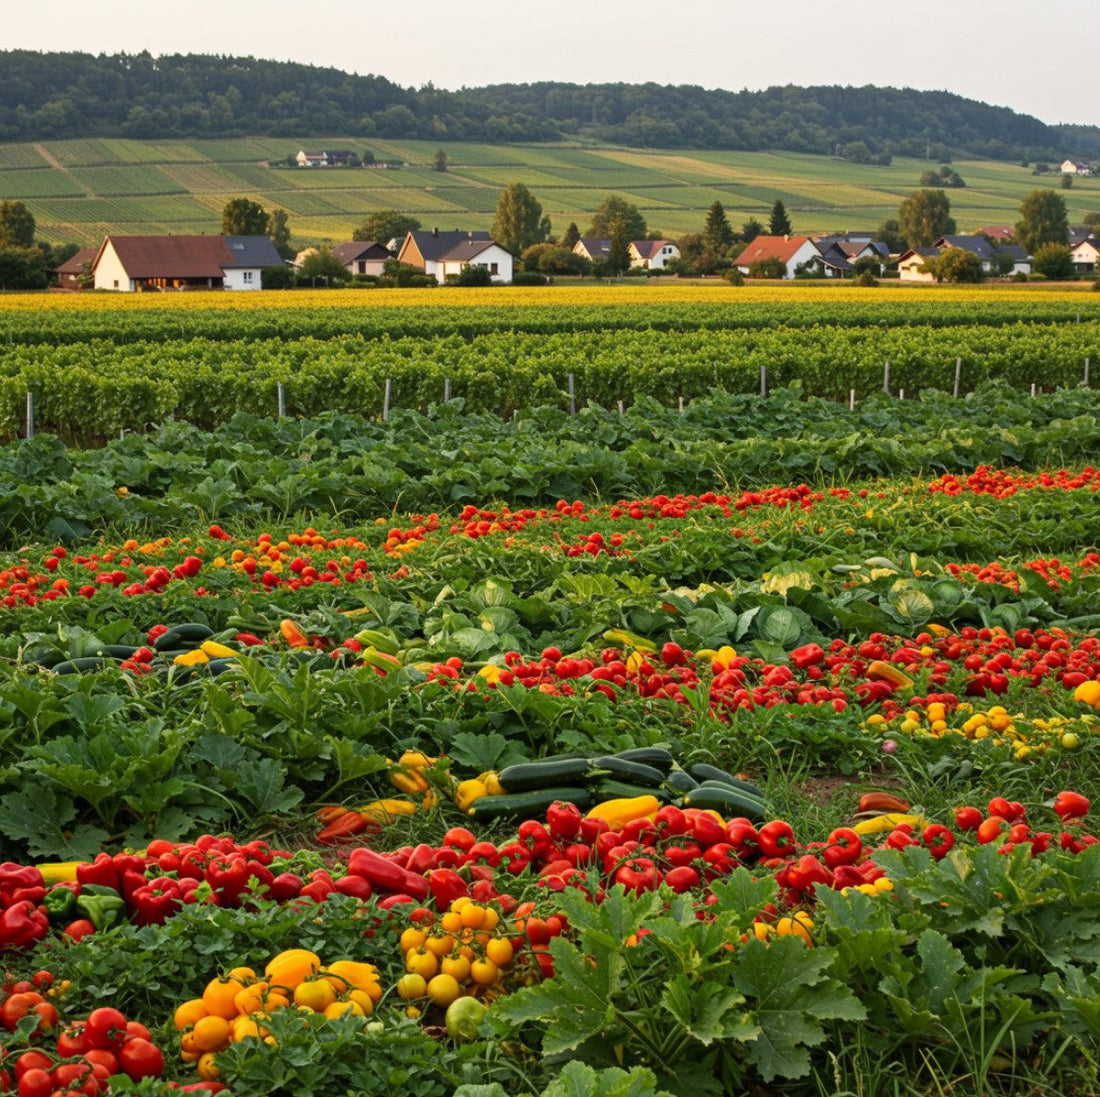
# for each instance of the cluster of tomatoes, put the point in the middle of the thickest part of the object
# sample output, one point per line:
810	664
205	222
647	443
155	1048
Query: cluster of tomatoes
76	1058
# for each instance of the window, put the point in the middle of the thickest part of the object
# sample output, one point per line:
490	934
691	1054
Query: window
494	268
247	277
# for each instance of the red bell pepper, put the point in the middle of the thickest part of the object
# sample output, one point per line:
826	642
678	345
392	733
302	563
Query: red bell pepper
641	830
563	819
285	886
446	885
638	874
807	872
415	885
1071	805
156	902
671	821
22	924
682	853
682	878
705	828
421	859
720	859
744	838
844	847
776	838
532	835
938	839
592	826
102	870
321	885
459	838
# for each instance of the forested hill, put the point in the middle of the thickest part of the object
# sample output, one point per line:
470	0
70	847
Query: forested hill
60	95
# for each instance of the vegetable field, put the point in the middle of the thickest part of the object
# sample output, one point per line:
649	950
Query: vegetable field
748	747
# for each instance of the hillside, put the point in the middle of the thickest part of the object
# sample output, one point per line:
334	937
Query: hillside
80	190
67	95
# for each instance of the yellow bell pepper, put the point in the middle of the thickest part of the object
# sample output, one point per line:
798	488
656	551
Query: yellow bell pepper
217	651
57	872
194	658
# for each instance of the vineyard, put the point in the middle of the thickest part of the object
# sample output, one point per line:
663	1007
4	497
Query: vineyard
743	746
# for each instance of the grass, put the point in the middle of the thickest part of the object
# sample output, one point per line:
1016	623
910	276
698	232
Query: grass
674	188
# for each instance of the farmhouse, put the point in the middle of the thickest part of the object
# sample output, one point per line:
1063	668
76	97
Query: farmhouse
911	264
362	257
1076	167
329	158
792	251
1086	254
447	253
70	274
976	245
133	264
592	248
651	254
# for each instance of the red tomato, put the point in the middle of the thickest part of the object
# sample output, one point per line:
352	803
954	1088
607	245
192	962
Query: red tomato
36	1082
140	1058
106	1028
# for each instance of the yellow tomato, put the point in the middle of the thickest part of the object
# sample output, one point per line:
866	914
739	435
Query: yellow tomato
500	951
208	1068
484	972
315	994
422	962
411	986
443	990
209	1034
219	997
458	966
187	1013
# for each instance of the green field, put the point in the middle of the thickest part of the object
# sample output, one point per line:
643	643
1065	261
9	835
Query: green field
81	190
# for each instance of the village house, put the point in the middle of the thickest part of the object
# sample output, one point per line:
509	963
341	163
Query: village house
362	256
911	264
72	273
651	254
593	248
443	254
794	252
134	264
1086	254
1076	167
328	158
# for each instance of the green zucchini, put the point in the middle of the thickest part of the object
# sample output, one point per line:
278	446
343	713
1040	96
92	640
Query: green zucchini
657	757
528	805
545	773
84	665
624	770
681	781
610	789
703	772
113	651
721	786
187	636
726	801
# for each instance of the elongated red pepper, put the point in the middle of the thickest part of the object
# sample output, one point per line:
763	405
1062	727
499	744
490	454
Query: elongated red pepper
383	875
356	886
446	886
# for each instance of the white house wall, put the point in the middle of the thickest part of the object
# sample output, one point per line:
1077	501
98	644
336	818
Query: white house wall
110	273
243	278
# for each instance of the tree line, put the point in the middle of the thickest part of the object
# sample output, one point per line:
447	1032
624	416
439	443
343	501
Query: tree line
61	95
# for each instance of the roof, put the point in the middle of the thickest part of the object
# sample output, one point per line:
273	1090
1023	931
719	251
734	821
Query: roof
1018	253
647	249
359	249
251	251
75	264
596	246
978	245
771	247
921	253
467	250
434	245
190	256
997	232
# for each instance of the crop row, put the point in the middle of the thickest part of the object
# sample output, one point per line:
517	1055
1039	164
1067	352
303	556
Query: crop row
106	388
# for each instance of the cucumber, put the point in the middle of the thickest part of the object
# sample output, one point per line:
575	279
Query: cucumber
624	770
46	657
703	772
657	757
113	651
727	801
528	805
187	635
543	774
84	665
681	781
721	786
610	789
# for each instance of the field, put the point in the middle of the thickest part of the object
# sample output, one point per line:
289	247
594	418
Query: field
81	190
743	746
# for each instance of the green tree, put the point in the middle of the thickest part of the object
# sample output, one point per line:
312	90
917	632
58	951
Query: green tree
750	230
22	268
615	208
1091	219
889	232
717	233
572	235
768	268
1043	220
243	217
16	225
618	255
519	222
1053	261
323	268
924	217
956	265
779	224
279	230
386	225
1067	182
440	162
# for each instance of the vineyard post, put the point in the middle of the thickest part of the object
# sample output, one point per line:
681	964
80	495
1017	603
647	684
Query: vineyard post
851	399
681	405
30	414
621	409
763	380
1086	373
901	394
446	389
958	375
1033	390
572	397
281	397
886	377
386	399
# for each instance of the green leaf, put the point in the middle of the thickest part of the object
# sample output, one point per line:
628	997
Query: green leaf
39	816
484	752
261	784
708	1011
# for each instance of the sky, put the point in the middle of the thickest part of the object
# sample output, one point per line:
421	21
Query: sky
1036	56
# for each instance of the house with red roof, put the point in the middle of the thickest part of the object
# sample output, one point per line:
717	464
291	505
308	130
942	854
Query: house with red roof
136	264
793	252
71	274
652	254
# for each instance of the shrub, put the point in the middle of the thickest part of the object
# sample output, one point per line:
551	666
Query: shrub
529	278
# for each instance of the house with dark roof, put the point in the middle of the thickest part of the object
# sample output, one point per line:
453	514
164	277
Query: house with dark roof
1086	255
976	245
134	264
651	254
1076	167
593	248
793	252
362	256
911	264
327	158
71	274
443	254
